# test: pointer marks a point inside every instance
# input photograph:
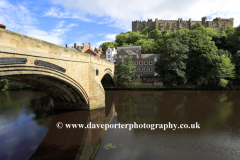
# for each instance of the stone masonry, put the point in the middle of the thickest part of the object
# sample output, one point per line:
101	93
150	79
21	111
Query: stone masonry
173	25
79	87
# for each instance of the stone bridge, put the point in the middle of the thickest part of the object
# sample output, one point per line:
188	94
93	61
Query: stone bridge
71	78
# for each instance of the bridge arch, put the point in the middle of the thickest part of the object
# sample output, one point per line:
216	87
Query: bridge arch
61	88
107	79
64	73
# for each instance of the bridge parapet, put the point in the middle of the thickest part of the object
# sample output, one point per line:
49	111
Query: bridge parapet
47	61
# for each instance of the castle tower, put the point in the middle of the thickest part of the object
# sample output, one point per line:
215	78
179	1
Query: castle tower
173	25
204	20
135	26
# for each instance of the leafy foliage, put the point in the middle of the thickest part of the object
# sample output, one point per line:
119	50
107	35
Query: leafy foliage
125	70
105	45
13	85
201	56
171	63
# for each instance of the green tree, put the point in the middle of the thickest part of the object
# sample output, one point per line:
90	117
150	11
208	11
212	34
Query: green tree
237	67
146	30
225	68
125	70
129	38
155	34
202	56
148	45
105	45
171	63
207	31
237	30
122	38
229	30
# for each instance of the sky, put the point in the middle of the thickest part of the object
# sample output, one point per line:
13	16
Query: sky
97	21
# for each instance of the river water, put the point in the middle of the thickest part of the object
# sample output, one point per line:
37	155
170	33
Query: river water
28	127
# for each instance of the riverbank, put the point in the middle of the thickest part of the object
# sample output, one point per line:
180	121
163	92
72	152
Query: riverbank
160	88
149	88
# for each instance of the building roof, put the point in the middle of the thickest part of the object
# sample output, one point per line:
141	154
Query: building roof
129	47
129	52
149	56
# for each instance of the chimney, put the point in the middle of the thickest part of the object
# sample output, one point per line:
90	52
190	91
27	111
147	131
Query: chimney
66	45
83	45
75	45
2	26
100	50
139	55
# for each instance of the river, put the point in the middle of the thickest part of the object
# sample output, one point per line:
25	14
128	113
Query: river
29	130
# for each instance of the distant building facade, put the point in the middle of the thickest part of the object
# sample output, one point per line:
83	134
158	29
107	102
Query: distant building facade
87	49
99	52
173	25
145	63
111	54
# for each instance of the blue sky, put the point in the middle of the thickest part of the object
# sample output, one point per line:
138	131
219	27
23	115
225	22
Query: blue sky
98	21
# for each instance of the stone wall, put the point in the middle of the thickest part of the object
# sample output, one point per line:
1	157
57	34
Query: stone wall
80	76
173	25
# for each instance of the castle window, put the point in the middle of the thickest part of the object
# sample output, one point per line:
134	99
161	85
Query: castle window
140	63
145	69
150	69
145	62
150	62
136	63
143	25
140	69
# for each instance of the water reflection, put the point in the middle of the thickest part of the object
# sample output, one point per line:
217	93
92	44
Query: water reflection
28	127
37	135
215	111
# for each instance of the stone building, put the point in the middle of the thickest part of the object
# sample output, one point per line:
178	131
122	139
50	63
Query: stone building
87	49
173	25
99	52
145	63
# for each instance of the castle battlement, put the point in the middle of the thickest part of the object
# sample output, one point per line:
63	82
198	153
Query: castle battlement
180	24
227	18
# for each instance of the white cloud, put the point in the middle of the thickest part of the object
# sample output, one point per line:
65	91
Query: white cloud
20	19
55	12
54	36
111	37
107	38
83	39
100	34
120	13
60	24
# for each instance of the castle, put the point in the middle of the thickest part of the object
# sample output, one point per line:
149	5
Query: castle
173	25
